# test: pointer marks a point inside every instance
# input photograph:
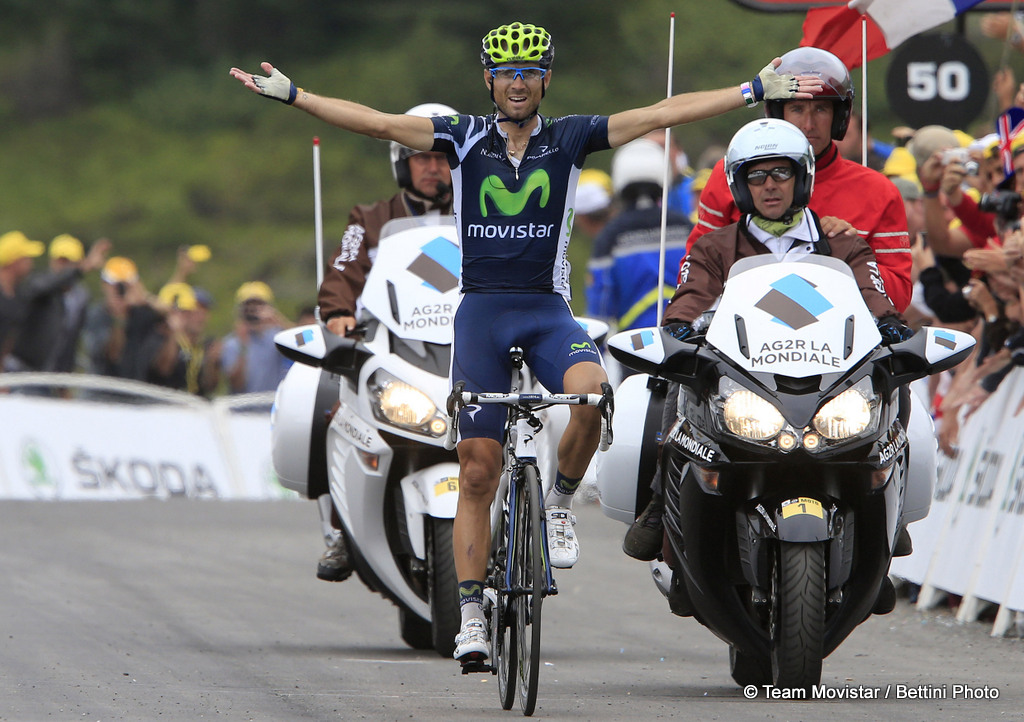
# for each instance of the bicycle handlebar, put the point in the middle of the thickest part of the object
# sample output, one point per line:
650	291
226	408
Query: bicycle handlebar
604	401
530	400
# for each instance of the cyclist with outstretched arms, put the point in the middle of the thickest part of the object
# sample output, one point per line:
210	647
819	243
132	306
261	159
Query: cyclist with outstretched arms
514	177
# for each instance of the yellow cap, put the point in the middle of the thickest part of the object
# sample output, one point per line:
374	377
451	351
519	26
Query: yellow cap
179	295
965	139
254	290
700	180
199	253
593	191
14	246
65	246
119	269
900	163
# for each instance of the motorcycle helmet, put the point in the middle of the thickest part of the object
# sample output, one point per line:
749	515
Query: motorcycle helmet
639	161
834	77
400	153
763	139
517	43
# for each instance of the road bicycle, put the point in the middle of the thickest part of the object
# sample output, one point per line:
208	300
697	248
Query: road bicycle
519	576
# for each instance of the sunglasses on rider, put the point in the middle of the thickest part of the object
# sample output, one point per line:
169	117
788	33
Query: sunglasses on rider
779	174
510	74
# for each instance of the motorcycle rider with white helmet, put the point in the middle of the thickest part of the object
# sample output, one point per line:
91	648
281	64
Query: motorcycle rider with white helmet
769	167
425	188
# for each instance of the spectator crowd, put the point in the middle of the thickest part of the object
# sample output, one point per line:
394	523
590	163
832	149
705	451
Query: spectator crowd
51	322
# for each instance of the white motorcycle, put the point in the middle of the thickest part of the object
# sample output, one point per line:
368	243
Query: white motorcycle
381	453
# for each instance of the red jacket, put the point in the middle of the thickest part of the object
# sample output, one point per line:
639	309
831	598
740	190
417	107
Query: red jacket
863	197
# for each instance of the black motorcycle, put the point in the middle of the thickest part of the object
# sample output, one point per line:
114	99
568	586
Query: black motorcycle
784	472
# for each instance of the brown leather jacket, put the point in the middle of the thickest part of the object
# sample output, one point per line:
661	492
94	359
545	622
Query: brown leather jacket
704	270
345	276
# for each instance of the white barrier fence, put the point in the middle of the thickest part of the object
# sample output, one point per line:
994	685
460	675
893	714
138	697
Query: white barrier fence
123	440
972	542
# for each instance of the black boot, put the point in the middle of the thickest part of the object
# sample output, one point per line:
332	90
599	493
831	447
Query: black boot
886	601
904	546
645	537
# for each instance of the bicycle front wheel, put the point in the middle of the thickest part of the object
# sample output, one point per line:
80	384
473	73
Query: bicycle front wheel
532	583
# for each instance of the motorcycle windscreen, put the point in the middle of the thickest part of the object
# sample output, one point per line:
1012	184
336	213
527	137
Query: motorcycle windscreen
798	318
413	286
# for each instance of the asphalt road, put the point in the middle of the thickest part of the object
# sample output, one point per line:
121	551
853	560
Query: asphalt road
186	610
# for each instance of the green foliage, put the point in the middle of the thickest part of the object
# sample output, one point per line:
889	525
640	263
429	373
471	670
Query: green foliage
119	119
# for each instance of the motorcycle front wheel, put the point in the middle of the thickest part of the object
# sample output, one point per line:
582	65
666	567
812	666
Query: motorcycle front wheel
443	587
798	614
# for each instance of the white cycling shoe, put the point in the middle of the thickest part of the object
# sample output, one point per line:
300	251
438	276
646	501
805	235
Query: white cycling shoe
563	548
472	643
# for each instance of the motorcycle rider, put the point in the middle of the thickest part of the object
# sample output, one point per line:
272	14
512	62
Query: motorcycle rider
770	169
425	188
514	276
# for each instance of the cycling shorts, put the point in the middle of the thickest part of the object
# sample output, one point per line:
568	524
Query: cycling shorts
487	325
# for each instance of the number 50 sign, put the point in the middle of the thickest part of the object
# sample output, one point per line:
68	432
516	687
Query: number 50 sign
937	79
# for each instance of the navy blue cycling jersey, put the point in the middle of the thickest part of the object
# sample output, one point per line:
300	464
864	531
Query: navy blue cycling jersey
514	222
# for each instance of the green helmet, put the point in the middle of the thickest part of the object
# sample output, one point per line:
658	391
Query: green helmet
517	43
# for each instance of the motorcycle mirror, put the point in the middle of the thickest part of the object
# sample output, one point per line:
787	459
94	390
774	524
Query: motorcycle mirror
929	351
650	350
314	345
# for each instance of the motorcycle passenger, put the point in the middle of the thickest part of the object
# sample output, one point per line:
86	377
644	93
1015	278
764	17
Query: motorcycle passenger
425	188
770	169
515	174
841	186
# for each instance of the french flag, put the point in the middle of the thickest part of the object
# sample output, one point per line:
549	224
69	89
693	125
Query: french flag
889	23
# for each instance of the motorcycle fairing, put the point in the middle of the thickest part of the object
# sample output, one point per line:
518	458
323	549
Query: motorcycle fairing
424	264
432	492
792	319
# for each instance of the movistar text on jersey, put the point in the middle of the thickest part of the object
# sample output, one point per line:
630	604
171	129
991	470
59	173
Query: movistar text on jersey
521	230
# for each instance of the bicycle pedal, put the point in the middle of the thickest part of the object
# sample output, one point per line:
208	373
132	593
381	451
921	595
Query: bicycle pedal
475	662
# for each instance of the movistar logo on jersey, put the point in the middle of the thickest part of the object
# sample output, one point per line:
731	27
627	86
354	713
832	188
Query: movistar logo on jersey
508	203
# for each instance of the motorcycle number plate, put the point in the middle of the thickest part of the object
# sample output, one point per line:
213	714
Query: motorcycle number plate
803	505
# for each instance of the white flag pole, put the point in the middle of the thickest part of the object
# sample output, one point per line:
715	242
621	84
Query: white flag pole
667	176
864	90
318	214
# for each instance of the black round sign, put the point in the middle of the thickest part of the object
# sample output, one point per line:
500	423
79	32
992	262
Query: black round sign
937	79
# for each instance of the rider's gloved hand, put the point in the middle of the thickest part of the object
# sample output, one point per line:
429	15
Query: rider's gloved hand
893	330
679	331
770	85
278	86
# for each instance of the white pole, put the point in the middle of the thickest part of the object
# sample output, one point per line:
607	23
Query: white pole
667	178
318	214
864	90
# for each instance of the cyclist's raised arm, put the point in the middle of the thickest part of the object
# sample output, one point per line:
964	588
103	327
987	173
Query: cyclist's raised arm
411	131
688	107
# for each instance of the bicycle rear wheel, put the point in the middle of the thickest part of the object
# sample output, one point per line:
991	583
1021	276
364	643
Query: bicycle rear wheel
504	653
532	585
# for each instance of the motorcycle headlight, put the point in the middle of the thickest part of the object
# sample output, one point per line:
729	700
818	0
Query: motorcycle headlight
748	415
402	405
849	414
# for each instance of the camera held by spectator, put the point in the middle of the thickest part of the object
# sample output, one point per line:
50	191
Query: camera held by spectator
963	157
1006	205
